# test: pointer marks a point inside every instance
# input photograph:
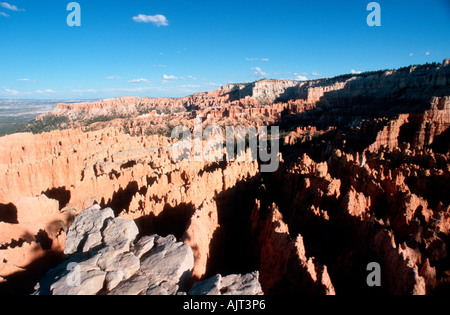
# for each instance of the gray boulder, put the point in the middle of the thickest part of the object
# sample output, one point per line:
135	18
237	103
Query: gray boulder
79	278
102	258
231	285
134	286
144	245
86	231
90	283
168	262
119	266
120	233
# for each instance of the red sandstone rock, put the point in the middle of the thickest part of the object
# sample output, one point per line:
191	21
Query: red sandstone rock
284	261
199	234
382	183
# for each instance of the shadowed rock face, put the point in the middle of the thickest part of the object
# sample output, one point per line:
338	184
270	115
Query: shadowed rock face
363	178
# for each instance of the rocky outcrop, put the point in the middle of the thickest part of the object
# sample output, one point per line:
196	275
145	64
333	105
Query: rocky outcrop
336	101
86	232
436	121
285	268
231	285
135	176
203	224
363	211
381	85
389	136
103	258
264	91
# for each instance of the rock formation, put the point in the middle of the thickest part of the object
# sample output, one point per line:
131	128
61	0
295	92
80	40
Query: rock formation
336	101
363	177
105	256
135	176
230	285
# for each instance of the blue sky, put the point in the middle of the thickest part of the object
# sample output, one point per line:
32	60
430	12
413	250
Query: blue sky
191	46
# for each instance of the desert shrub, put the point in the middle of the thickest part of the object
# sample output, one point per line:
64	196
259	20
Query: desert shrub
161	130
46	124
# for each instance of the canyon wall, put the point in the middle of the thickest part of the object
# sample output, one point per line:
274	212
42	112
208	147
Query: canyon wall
49	178
363	177
346	97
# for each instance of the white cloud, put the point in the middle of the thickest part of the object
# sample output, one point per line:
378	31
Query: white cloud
85	91
158	20
170	77
301	78
142	80
4	14
212	84
13	92
27	80
10	6
131	90
356	72
47	91
190	86
174	78
427	53
259	72
257	59
113	78
411	54
159	66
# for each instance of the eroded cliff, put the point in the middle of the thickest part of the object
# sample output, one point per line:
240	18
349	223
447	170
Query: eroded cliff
363	177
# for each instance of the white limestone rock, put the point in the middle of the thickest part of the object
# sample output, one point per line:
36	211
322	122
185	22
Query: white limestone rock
85	232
